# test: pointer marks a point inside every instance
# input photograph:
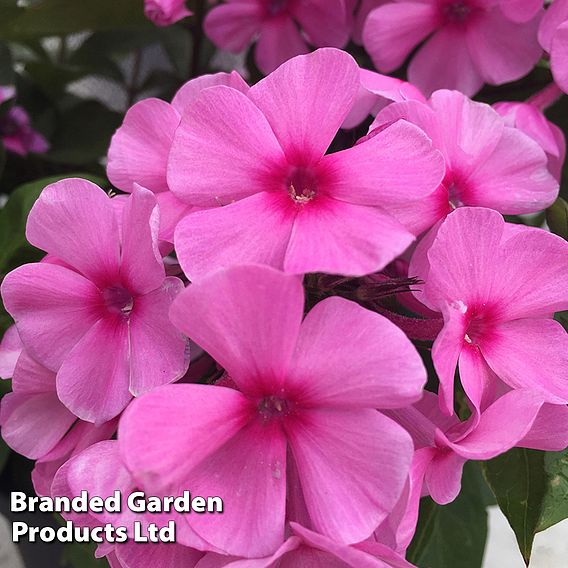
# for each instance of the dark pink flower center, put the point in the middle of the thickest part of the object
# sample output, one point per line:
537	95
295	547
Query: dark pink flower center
271	407
458	11
302	185
118	300
480	323
276	7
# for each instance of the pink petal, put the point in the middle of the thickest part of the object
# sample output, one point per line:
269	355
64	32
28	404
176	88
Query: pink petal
290	99
255	230
386	371
232	316
559	56
10	349
249	474
323	21
139	149
370	172
521	10
532	354
477	378
223	150
365	7
279	40
445	62
549	431
332	236
362	454
73	219
157	349
164	555
141	267
393	31
42	297
500	427
232	26
554	17
502	50
94	378
217	414
172	211
32	424
30	377
190	91
512	185
443	477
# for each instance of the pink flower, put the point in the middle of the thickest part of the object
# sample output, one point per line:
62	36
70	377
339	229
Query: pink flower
108	299
10	349
17	134
100	471
444	444
285	203
530	120
497	286
304	403
489	163
376	92
469	42
553	36
309	549
165	12
282	27
364	8
139	149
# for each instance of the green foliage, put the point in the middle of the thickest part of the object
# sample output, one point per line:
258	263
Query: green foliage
76	555
453	535
557	218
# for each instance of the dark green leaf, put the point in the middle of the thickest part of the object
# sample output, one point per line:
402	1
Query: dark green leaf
557	218
60	17
453	535
519	482
555	503
77	555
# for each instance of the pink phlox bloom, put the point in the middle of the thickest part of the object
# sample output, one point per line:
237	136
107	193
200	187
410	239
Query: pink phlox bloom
114	337
139	149
376	92
303	402
166	12
497	286
10	349
466	42
553	36
307	548
489	162
100	471
258	164
282	28
530	120
18	135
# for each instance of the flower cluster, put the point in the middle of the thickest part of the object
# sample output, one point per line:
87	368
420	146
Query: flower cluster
244	236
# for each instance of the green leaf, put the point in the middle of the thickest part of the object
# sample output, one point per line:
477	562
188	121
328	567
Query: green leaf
60	17
519	482
6	68
453	535
77	555
557	218
555	504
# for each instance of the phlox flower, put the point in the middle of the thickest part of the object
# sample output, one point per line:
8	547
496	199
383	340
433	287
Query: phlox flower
165	12
98	318
304	409
282	28
489	163
16	131
553	36
139	150
257	162
468	42
497	287
531	120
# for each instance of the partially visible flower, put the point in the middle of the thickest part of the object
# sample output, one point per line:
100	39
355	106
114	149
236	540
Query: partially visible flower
364	8
257	161
303	403
530	120
497	286
553	36
376	92
469	42
284	27
16	131
108	298
10	349
489	163
139	150
165	12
